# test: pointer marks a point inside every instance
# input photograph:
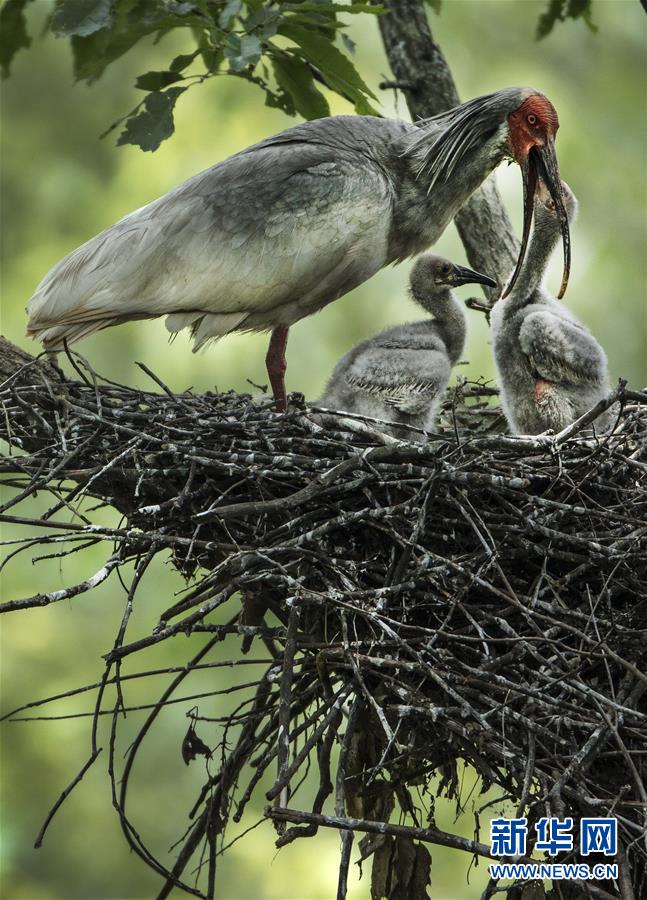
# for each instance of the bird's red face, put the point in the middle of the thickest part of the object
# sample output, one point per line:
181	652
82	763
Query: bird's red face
531	137
532	125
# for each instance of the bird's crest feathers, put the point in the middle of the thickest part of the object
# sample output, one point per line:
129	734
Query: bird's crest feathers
447	139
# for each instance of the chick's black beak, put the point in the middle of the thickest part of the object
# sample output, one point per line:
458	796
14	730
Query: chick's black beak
547	169
463	275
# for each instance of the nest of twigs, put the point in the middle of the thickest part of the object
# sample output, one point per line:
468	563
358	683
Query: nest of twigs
460	596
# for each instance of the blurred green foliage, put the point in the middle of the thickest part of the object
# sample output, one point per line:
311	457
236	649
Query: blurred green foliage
286	49
560	10
61	185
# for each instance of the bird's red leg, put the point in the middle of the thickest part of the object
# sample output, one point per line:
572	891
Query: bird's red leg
276	365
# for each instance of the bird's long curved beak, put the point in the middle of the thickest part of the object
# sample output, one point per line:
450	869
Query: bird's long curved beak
541	162
463	275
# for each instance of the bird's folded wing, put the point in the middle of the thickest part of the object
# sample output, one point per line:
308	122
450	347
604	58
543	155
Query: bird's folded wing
255	232
407	379
561	350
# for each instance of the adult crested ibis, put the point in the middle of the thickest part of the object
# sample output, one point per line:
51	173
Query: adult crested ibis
401	373
281	229
551	368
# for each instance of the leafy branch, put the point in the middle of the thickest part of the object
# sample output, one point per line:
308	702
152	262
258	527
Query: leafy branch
290	50
287	49
560	10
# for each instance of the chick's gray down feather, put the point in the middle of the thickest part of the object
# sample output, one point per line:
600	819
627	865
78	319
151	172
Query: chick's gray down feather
551	368
400	374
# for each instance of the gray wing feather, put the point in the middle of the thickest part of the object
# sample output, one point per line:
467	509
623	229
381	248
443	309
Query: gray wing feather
408	396
405	369
561	350
262	230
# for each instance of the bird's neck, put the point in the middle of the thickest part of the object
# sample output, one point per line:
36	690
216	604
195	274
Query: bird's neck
544	239
423	207
449	321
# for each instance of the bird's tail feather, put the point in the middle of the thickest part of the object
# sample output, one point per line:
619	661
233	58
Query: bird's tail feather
73	328
54	336
205	326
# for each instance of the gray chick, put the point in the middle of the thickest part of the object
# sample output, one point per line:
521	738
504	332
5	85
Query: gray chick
401	373
551	368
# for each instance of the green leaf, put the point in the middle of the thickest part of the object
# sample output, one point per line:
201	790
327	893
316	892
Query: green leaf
181	62
264	22
295	78
581	9
13	32
232	8
336	69
133	20
212	56
155	123
279	100
554	11
250	49
350	45
560	10
155	81
275	100
93	53
81	17
178	8
318	16
242	52
325	25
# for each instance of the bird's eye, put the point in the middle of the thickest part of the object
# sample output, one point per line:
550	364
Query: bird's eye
446	269
531	119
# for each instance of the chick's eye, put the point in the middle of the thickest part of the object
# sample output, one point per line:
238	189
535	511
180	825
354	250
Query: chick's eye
531	120
446	269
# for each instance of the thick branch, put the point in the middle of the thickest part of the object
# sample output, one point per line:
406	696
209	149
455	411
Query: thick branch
13	360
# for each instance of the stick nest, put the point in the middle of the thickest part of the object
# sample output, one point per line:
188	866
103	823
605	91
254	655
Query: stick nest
468	596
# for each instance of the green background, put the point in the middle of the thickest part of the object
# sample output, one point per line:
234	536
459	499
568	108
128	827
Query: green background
60	186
